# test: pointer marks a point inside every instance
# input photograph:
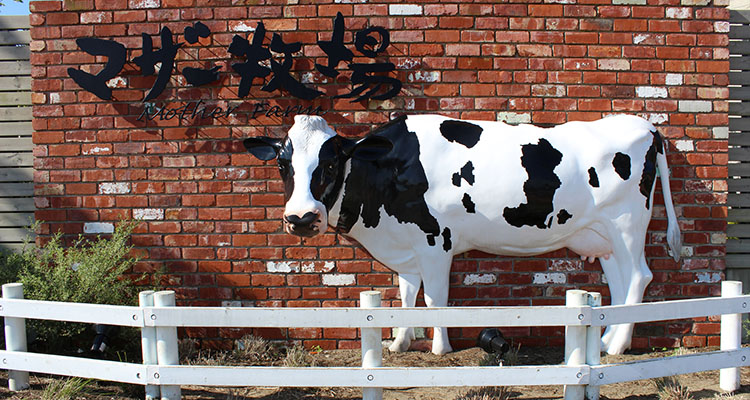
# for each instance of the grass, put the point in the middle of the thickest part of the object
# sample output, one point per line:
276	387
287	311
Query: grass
670	388
65	389
249	350
252	350
486	393
491	360
726	396
681	351
510	358
297	356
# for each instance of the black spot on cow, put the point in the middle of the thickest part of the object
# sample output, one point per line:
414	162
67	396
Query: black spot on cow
658	141
648	176
396	182
456	179
447	245
431	239
328	177
621	162
563	216
466	172
284	161
461	132
468	204
593	177
540	161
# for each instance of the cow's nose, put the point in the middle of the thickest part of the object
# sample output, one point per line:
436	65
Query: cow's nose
306	219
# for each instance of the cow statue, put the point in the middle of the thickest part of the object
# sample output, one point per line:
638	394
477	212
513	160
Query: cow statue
423	188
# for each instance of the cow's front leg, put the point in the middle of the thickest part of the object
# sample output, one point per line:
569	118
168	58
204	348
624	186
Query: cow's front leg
408	286
436	286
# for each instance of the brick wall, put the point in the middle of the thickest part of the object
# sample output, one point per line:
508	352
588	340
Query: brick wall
211	213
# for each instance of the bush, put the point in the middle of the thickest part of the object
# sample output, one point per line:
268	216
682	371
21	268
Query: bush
89	271
10	266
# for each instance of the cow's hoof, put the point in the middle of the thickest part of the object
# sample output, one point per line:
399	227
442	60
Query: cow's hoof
441	348
399	346
612	346
614	350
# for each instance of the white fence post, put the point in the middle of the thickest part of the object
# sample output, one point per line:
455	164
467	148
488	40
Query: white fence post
731	337
372	344
15	337
148	342
166	344
575	343
593	344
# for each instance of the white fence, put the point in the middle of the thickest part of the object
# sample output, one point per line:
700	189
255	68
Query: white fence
583	317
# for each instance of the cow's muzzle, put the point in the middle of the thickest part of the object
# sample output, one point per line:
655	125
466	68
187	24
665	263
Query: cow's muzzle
307	225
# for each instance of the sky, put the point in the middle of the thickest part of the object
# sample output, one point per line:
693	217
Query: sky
13	7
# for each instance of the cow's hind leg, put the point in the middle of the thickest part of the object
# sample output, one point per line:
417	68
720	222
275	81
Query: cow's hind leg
622	334
436	276
408	286
631	270
617	291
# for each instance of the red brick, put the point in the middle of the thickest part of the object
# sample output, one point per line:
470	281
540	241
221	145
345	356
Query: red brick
340	333
597	24
712	66
615	38
581	37
492	23
631	25
455	22
462	49
694	341
545	10
330	10
45	6
423	49
441	90
65	18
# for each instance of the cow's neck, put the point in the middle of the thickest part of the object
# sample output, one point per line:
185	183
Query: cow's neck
396	183
334	213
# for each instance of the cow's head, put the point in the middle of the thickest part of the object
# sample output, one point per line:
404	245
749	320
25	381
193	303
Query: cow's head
312	162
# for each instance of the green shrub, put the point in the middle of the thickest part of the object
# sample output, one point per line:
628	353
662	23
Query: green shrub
88	271
10	266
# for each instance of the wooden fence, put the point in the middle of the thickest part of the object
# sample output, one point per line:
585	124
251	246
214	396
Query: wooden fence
16	159
158	320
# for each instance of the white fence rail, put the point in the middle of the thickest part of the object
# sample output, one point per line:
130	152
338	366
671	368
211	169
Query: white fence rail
158	319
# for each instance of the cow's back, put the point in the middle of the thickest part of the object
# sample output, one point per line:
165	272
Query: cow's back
500	188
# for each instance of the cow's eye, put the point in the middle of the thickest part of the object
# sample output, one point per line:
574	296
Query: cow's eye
283	168
330	168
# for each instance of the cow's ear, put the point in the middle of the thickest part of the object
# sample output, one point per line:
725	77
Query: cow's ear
263	147
371	148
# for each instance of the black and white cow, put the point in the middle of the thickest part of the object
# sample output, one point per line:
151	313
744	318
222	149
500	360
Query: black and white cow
423	188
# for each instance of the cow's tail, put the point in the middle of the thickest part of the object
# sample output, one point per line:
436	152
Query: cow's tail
673	229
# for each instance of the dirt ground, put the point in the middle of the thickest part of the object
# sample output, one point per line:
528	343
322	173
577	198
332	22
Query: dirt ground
702	385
